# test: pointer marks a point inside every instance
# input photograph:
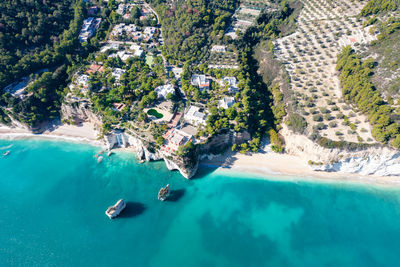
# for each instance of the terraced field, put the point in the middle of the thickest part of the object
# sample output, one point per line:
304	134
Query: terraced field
309	56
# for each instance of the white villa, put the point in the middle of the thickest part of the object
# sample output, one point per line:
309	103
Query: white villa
175	138
195	117
232	83
113	46
226	102
218	48
122	28
149	32
138	52
82	83
89	27
201	81
117	73
163	90
123	55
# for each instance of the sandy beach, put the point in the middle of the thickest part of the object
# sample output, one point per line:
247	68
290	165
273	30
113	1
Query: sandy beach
83	133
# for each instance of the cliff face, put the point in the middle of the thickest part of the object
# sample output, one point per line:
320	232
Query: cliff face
122	139
382	161
79	111
186	171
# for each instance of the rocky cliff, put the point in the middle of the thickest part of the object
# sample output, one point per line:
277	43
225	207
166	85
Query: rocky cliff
143	151
78	110
186	171
382	161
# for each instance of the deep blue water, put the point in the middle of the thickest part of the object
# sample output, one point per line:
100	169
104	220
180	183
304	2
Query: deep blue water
53	196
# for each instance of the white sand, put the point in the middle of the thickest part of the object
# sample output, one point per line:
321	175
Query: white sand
84	133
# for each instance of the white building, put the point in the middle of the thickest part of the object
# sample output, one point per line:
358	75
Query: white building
150	31
112	46
163	90
218	48
121	29
201	81
89	28
117	73
138	52
231	82
175	138
123	55
195	117
81	82
226	102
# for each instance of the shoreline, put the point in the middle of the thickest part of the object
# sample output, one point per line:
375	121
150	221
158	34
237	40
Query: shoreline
263	165
284	167
69	133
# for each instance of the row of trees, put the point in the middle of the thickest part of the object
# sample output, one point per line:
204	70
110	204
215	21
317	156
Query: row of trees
376	6
358	89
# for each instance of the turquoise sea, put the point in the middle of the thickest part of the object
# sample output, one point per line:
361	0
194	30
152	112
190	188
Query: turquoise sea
53	196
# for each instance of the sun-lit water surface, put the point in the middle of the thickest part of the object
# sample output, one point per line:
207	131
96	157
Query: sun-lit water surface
53	196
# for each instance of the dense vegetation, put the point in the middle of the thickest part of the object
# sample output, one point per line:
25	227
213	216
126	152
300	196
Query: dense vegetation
41	50
190	26
44	35
376	6
136	86
358	90
27	31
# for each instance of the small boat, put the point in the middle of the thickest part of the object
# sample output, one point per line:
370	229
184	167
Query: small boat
141	161
163	193
109	153
99	159
115	210
6	153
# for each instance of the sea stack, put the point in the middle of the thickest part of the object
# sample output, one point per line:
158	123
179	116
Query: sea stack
115	210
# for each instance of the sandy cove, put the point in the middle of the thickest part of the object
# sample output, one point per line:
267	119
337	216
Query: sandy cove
268	165
83	133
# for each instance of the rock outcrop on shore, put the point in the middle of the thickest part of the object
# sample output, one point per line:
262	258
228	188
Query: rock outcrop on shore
380	161
118	139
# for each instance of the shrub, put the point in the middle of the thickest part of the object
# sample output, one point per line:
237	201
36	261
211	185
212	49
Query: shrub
340	116
297	123
396	142
317	117
319	126
328	117
353	126
324	110
276	141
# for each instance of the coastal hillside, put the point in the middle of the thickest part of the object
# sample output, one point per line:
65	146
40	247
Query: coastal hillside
184	80
334	80
36	44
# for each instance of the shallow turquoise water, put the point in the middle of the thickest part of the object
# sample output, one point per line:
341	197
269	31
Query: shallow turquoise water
53	196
